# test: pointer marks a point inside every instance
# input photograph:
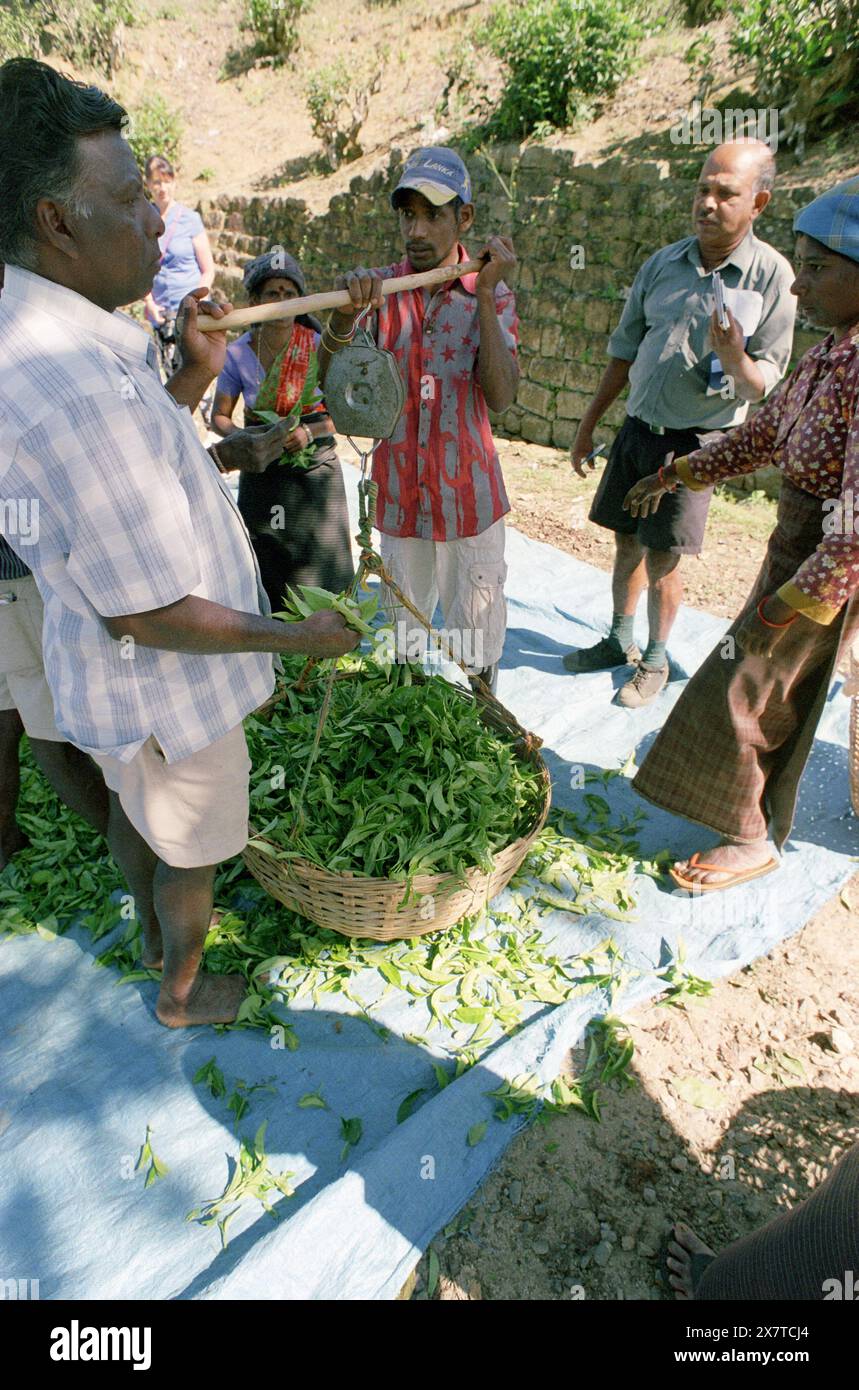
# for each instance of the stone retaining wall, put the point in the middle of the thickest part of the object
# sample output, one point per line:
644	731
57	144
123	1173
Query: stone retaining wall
617	212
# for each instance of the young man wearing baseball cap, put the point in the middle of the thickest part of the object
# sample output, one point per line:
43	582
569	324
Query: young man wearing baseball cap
441	499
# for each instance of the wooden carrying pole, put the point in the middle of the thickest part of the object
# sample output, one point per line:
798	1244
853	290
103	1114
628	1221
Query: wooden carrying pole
332	299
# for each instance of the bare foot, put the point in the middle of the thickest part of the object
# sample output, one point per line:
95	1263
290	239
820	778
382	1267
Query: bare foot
11	845
213	999
152	954
680	1251
733	857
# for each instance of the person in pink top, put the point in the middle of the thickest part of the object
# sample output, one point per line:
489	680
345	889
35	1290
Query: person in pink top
442	499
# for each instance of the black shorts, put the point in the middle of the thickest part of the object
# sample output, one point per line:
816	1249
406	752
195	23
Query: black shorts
678	525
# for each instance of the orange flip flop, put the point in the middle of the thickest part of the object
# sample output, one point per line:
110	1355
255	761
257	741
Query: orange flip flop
741	876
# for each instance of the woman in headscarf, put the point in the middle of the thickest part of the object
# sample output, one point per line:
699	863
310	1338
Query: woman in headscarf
296	509
187	262
733	750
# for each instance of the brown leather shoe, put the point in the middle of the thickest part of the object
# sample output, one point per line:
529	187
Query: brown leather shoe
644	687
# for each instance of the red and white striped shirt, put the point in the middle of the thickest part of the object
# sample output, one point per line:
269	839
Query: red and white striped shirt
439	475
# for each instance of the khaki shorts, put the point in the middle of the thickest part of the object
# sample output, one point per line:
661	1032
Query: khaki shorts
22	673
192	812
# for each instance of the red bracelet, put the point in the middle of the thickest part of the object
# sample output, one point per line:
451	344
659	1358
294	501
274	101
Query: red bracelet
767	622
669	487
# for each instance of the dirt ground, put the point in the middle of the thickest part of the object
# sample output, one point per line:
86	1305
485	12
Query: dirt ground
578	1209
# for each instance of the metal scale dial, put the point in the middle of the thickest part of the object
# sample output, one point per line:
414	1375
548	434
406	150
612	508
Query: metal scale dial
364	391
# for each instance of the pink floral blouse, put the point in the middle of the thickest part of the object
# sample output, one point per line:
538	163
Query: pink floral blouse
809	429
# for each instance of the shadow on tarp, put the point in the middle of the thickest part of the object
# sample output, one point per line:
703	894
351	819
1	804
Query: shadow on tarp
78	1218
84	1068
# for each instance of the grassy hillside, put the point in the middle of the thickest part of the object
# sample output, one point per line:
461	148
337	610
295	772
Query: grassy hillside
246	127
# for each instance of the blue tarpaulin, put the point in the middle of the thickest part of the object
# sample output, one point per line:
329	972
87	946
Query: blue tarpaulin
85	1067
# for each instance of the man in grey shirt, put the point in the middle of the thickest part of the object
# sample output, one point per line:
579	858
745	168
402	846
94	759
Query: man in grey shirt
687	377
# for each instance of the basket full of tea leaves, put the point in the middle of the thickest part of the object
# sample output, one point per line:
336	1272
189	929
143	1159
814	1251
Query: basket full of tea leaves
422	801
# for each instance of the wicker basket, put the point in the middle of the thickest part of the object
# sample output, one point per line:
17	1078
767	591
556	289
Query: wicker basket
370	907
854	684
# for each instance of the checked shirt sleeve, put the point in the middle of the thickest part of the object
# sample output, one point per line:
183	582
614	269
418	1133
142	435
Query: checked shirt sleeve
124	516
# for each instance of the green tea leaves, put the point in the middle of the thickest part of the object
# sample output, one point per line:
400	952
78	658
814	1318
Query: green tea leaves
682	986
350	1131
251	1178
406	1106
156	1169
210	1074
313	1100
389	971
521	1096
386	800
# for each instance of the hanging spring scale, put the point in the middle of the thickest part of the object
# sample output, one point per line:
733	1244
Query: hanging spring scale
364	390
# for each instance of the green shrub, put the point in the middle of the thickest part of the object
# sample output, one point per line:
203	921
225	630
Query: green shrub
19	32
275	25
92	32
702	11
338	99
558	55
467	95
806	58
89	33
154	128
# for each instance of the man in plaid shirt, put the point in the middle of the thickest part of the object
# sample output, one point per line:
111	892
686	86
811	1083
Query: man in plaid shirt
156	637
442	500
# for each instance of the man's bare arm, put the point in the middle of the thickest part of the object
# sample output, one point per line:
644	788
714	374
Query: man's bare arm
198	626
497	368
612	382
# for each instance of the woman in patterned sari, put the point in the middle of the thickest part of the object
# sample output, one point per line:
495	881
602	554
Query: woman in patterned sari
733	750
296	509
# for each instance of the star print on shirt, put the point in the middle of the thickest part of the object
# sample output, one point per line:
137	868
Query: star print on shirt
418	497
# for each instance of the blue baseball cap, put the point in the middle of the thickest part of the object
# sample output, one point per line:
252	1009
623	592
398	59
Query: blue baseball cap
436	172
833	219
